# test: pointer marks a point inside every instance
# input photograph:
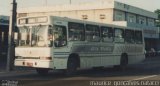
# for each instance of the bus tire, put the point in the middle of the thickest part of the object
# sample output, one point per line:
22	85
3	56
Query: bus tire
42	71
124	62
72	66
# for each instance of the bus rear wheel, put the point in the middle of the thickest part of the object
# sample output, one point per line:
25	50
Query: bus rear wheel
124	62
72	66
42	71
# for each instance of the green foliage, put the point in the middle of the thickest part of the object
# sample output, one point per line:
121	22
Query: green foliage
158	21
158	12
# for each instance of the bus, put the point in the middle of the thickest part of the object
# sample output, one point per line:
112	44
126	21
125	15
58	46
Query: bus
60	43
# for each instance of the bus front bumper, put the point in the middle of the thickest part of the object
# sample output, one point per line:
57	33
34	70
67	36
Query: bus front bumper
34	63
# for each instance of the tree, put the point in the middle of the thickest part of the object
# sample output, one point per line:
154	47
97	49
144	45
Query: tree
158	20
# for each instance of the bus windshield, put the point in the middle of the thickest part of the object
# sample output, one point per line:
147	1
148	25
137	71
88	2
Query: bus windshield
33	36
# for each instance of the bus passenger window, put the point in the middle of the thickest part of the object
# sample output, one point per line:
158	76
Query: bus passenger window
76	31
129	36
60	36
138	37
92	33
107	34
119	35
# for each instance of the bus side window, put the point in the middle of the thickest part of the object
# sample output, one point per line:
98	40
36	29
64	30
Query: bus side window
138	37
129	36
76	31
107	34
92	33
60	36
119	35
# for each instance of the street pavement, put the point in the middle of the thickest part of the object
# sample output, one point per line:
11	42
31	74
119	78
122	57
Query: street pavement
147	70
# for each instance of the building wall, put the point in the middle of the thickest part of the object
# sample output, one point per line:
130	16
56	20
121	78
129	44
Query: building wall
4	20
133	9
100	15
104	16
105	11
4	28
112	16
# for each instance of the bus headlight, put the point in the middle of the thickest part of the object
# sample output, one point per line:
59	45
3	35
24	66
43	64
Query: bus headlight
46	58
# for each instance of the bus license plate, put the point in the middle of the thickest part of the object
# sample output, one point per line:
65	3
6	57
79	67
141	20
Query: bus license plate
29	64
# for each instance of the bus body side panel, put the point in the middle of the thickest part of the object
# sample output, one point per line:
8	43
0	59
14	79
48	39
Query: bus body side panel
139	55
93	54
119	48
61	55
60	62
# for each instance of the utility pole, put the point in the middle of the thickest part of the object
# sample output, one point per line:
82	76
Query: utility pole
12	24
70	1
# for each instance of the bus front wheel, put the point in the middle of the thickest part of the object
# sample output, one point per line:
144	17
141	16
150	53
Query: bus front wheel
42	71
72	66
124	62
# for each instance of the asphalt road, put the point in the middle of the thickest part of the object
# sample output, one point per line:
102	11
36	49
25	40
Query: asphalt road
147	70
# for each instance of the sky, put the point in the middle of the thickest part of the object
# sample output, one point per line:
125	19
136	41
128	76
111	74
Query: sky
5	5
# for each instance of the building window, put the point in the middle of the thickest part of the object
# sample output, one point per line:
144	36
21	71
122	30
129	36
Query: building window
84	17
119	16
151	22
102	16
131	18
142	20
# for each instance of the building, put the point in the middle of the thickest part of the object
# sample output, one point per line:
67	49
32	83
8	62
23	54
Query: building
4	28
107	11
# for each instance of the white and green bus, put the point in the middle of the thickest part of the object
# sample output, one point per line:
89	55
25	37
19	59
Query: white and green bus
50	42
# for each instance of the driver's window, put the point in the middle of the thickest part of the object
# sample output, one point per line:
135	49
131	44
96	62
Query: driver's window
60	36
50	36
